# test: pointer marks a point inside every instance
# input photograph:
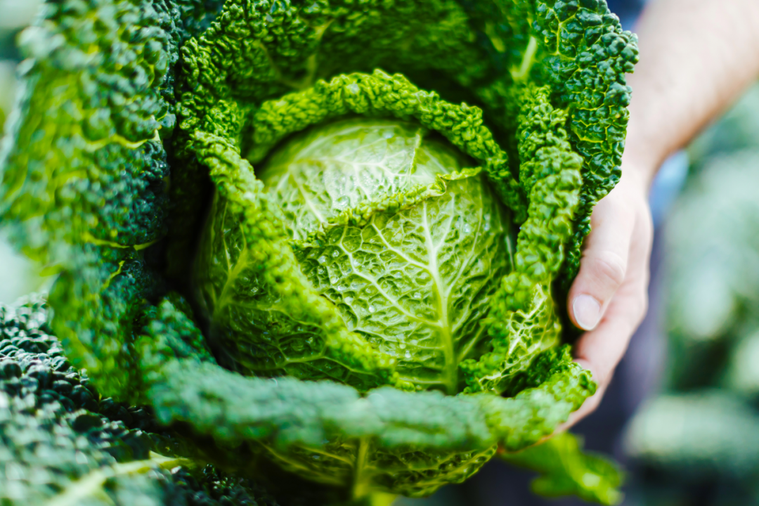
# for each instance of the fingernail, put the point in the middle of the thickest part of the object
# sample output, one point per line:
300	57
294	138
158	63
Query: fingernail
587	311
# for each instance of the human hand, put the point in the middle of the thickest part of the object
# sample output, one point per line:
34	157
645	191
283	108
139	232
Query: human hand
696	57
609	297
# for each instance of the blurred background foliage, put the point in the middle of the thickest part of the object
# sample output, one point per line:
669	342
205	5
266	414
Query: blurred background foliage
697	443
17	275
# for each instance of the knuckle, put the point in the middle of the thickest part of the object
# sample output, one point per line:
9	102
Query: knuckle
609	268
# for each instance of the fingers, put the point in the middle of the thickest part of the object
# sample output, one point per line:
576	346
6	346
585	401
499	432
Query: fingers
604	264
609	296
601	349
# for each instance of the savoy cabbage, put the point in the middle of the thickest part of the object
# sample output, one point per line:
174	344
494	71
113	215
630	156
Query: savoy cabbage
387	197
61	443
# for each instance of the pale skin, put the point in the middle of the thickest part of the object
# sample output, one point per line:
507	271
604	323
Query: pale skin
696	58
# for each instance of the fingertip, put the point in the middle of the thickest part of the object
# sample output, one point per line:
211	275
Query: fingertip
587	311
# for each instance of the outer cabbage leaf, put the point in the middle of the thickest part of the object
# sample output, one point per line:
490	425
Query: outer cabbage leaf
52	417
578	49
402	442
525	318
565	470
84	168
63	444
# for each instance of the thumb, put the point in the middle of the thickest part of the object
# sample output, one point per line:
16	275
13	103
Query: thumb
604	263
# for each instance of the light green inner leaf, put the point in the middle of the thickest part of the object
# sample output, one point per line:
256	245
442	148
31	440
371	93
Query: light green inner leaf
415	279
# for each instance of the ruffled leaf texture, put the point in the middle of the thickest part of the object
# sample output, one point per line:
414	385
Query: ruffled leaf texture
564	469
407	254
63	444
129	108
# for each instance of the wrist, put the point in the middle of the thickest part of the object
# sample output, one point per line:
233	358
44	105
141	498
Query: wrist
646	148
638	173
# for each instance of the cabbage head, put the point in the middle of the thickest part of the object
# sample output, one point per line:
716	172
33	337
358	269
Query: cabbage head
388	223
333	236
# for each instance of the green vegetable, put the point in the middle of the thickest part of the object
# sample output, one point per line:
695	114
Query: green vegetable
565	470
62	444
136	114
389	229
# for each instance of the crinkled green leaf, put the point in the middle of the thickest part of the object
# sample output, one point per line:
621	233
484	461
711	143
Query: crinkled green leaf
62	444
84	168
566	470
524	318
578	49
404	442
